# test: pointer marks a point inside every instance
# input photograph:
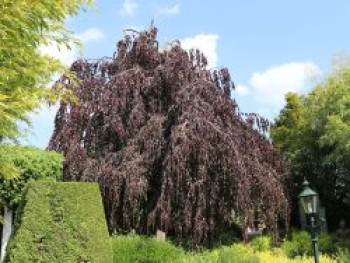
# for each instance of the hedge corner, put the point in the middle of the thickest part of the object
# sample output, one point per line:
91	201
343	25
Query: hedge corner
61	222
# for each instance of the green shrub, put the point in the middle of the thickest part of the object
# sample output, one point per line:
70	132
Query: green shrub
205	256
301	245
30	163
236	254
149	250
327	244
139	249
262	243
61	222
343	256
343	245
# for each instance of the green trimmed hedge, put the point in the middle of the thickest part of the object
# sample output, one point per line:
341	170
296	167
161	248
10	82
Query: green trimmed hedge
61	222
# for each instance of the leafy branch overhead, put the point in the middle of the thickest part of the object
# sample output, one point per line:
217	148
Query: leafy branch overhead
165	141
25	72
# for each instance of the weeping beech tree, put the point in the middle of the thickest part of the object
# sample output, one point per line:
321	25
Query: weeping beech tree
167	144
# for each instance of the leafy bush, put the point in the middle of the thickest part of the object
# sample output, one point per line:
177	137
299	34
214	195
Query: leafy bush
343	256
301	244
327	244
30	163
237	254
343	245
262	243
279	257
205	256
249	253
149	250
61	222
133	248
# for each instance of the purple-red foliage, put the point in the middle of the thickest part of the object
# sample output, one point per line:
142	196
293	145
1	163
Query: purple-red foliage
165	141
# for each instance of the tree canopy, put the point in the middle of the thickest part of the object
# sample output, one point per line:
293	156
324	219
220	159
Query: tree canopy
313	132
26	25
30	164
162	136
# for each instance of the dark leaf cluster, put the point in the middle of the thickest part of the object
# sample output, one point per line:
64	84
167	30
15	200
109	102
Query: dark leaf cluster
165	141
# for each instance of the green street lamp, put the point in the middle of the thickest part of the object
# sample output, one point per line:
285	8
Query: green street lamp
309	202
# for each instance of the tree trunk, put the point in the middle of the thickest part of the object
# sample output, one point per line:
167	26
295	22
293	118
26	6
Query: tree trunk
6	231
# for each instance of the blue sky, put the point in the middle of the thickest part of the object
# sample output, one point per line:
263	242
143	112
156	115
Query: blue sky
270	47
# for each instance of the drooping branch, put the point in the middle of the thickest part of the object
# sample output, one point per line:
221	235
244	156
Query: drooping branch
162	136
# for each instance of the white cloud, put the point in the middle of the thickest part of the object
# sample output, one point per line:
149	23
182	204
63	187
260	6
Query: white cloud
129	7
207	43
62	53
269	87
168	11
91	34
68	56
242	90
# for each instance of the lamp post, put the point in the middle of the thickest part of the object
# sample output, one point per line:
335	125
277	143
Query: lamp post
309	202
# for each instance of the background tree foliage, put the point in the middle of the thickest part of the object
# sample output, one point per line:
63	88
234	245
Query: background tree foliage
162	136
25	25
25	72
313	132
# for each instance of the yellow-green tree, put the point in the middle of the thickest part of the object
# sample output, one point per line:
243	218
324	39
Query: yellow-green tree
313	132
25	25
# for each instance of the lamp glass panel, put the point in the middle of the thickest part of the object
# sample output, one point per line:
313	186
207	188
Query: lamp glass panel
315	203
308	204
